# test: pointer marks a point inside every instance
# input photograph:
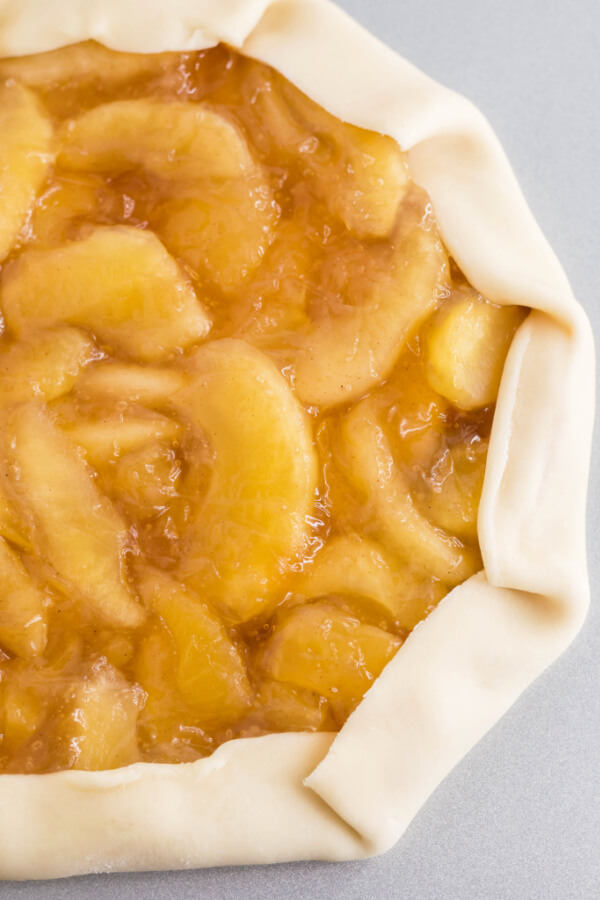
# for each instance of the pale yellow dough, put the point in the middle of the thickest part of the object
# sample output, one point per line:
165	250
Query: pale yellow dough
299	796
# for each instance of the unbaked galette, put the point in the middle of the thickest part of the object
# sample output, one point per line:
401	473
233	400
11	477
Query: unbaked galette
248	382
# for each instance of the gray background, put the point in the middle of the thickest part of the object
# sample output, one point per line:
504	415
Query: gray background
520	816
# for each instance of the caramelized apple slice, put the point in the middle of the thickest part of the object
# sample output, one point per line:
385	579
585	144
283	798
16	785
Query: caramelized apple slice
223	231
211	674
86	63
466	344
155	668
148	478
46	365
388	292
25	157
119	282
378	583
12	525
67	203
276	299
118	648
112	381
21	714
114	435
416	596
252	521
99	730
23	619
321	647
283	707
418	418
76	529
349	564
362	175
11	528
367	188
455	485
399	525
276	127
174	139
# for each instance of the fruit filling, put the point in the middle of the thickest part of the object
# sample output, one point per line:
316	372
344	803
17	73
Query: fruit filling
245	403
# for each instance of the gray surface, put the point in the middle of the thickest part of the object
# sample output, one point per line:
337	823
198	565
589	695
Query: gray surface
520	816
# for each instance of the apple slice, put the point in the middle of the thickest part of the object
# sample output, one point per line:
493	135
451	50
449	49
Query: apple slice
155	665
455	485
119	282
174	140
369	175
369	464
76	529
286	707
45	365
13	527
222	231
87	63
105	439
252	522
352	346
350	564
377	583
26	152
99	728
322	647
210	675
22	711
367	188
67	205
276	299
466	343
23	618
148	478
112	380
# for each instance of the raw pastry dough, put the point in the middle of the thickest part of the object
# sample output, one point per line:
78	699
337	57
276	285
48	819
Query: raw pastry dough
300	796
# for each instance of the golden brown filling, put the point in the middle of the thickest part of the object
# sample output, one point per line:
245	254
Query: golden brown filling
245	402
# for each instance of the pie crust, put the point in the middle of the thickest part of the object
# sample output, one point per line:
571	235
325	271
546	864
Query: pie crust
322	796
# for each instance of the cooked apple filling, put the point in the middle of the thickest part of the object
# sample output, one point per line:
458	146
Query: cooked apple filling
246	400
